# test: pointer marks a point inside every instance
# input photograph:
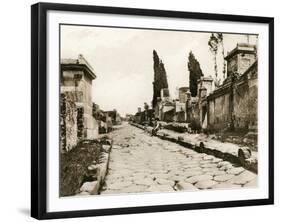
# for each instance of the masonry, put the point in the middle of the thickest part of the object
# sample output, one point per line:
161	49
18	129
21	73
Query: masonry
77	121
233	105
230	106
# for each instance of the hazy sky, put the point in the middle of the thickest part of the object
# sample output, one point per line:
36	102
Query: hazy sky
123	62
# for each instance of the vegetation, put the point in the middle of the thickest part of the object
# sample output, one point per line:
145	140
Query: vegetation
74	165
195	73
216	41
160	78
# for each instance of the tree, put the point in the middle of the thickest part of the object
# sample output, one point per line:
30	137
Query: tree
213	46
160	78
219	37
195	73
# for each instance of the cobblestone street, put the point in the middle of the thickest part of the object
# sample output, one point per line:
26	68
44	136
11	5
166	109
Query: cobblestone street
141	163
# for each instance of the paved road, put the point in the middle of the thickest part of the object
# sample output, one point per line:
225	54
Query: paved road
141	163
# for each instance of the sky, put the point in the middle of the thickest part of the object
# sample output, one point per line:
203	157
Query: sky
123	62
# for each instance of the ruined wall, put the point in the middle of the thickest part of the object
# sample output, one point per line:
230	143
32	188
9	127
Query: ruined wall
91	126
244	104
218	110
194	116
68	122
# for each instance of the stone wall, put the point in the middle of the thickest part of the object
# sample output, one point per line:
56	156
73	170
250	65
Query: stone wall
68	122
218	110
245	103
235	103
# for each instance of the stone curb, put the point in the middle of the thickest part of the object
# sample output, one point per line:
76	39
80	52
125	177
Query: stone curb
243	156
93	187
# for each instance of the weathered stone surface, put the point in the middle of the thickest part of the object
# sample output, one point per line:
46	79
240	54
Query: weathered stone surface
159	188
216	160
68	122
226	185
182	185
236	170
209	165
215	172
84	193
90	187
92	167
191	173
150	164
120	185
223	163
160	175
223	178
243	178
208	157
145	181
195	179
165	182
205	184
106	148
252	183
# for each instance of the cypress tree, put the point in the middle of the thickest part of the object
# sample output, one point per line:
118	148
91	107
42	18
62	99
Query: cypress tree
195	73
160	78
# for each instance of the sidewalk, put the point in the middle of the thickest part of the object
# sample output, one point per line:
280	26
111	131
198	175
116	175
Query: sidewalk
203	144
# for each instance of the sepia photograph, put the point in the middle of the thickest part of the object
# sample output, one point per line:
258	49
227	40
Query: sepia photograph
155	111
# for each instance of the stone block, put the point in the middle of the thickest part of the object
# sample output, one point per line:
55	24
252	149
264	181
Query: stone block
90	187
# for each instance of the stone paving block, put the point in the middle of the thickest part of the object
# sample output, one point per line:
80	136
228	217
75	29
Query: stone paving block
120	184
150	164
165	182
90	187
209	165
217	160
160	188
205	184
223	178
243	178
145	181
235	170
182	185
215	172
208	157
195	179
84	193
252	183
226	185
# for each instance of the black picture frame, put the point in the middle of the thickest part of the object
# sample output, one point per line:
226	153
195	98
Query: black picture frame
39	108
